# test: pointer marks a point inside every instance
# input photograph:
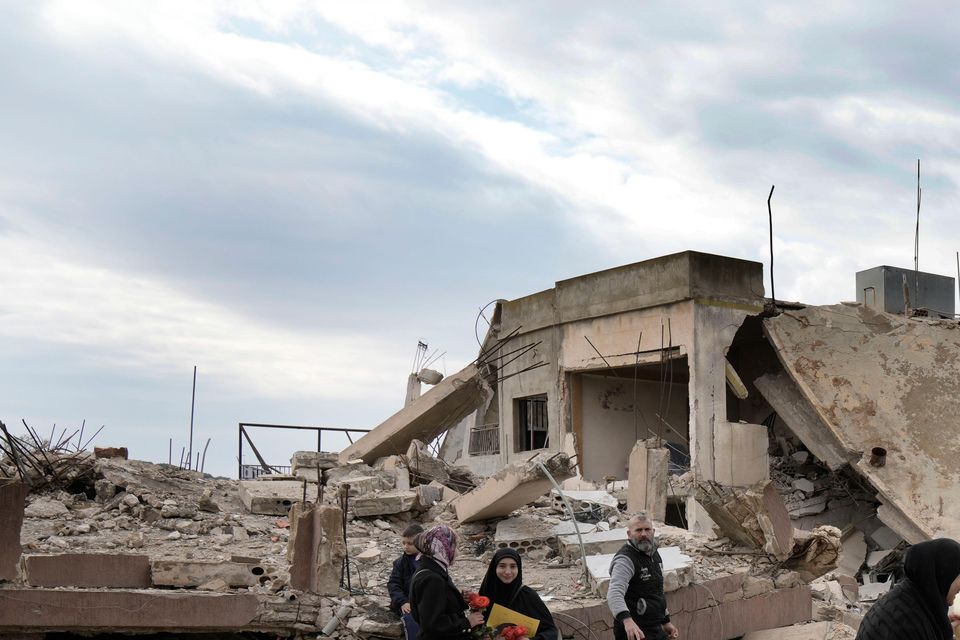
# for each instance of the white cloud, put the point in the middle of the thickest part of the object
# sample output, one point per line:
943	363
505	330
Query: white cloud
144	326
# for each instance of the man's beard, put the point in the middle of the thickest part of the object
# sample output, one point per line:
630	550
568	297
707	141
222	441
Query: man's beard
647	546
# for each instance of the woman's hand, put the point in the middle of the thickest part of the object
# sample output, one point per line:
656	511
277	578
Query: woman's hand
954	620
474	618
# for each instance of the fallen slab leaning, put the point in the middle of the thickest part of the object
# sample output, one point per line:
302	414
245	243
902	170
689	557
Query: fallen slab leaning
512	487
428	416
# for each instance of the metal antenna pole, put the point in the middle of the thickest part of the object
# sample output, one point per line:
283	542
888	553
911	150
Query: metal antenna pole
193	397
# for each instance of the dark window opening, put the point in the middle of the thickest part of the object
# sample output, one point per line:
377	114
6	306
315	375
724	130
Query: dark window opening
532	423
676	513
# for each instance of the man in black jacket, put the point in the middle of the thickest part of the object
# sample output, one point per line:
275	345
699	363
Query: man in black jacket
635	593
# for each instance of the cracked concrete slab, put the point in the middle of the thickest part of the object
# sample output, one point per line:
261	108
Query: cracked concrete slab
878	380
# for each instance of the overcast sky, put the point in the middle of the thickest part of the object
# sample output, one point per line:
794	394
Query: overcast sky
290	195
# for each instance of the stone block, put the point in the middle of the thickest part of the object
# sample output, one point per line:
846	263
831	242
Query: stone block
274	497
740	454
12	498
313	459
677	570
584	500
316	549
853	553
111	571
384	503
733	619
44	507
194	573
511	488
122	611
828	630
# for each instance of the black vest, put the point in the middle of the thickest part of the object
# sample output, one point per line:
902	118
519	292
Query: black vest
644	596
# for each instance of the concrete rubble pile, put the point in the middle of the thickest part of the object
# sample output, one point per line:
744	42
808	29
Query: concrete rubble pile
203	554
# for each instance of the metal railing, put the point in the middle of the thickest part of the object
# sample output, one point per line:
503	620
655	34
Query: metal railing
246	471
484	439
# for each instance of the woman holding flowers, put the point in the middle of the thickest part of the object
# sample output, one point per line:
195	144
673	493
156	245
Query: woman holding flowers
503	585
437	605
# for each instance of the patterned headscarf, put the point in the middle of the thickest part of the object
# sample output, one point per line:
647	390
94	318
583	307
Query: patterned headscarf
439	543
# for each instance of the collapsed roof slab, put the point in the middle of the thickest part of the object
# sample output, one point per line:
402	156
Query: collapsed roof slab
885	382
513	487
428	416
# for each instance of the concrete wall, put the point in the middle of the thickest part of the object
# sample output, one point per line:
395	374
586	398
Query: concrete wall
609	423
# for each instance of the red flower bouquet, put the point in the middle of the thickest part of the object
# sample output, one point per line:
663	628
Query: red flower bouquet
476	602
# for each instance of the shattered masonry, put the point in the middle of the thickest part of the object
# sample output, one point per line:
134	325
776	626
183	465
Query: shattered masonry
788	455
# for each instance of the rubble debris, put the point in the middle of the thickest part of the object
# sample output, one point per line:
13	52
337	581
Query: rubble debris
894	353
755	517
512	487
275	497
647	478
853	553
815	552
599	502
441	407
41	463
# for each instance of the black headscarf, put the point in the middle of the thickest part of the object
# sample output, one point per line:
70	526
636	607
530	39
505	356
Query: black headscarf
494	588
932	567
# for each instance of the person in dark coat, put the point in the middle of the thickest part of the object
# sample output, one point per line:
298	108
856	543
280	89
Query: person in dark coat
399	583
503	584
437	605
917	606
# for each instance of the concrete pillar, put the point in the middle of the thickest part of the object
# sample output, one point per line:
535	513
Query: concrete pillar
647	479
12	497
316	549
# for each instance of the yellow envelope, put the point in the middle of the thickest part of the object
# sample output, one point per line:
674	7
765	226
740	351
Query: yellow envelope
500	614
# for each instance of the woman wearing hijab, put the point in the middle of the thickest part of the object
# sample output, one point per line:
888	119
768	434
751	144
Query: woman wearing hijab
503	584
916	608
437	605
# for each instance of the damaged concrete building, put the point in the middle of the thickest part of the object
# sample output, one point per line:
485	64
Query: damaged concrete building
789	454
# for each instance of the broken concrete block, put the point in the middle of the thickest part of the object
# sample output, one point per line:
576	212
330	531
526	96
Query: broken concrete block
678	570
316	549
310	465
803	484
423	467
369	556
193	573
428	495
12	498
885	538
584	501
871	591
90	610
111	571
511	488
274	498
217	584
525	532
384	503
44	507
396	465
810	506
740	454
647	476
594	543
809	631
754	517
875	558
853	551
423	419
